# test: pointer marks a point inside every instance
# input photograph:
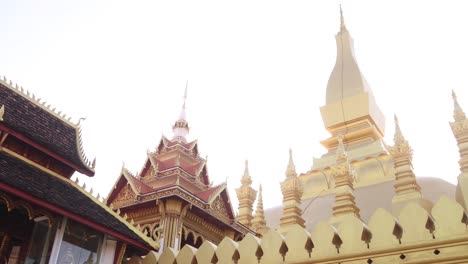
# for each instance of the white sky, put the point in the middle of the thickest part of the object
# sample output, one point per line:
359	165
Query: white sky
257	74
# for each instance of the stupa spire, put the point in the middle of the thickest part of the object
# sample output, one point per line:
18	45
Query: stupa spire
181	128
350	103
291	169
341	154
342	21
406	187
343	173
460	131
458	113
292	190
398	138
246	196
258	222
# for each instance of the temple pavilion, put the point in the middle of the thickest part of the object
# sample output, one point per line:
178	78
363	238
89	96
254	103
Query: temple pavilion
172	198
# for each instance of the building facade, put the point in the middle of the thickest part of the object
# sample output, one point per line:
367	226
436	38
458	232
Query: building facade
45	217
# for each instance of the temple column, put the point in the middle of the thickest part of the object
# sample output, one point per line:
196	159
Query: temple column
292	191
406	187
246	196
345	204
460	131
174	211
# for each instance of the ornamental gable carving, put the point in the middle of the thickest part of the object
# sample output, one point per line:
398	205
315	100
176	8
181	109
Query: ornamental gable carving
125	194
219	207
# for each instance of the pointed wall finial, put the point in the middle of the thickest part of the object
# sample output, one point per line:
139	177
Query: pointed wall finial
291	170
342	22
398	138
458	113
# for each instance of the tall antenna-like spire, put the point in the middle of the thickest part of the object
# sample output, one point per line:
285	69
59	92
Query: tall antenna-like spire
185	94
342	22
180	127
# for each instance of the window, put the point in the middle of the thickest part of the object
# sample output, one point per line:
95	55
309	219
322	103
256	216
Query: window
80	244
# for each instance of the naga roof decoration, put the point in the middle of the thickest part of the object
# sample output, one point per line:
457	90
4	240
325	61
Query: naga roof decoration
35	119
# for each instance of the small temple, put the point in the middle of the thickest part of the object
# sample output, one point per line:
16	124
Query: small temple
172	198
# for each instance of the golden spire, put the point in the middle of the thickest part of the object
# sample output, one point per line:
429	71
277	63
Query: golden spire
460	131
246	196
347	88
292	190
458	113
398	138
345	204
342	22
258	221
341	155
406	186
246	179
291	170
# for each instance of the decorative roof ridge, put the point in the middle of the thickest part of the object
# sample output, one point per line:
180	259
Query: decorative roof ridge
38	101
91	165
102	203
152	160
42	104
219	188
130	177
200	169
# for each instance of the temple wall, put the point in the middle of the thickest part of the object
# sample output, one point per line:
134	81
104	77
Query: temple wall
416	236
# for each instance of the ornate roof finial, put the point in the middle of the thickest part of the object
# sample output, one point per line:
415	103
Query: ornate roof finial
342	22
291	170
398	138
181	128
458	113
185	94
341	155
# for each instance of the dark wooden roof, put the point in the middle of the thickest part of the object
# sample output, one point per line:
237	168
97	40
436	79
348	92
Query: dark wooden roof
27	117
61	193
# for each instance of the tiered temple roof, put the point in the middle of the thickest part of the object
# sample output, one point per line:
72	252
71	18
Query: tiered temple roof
175	168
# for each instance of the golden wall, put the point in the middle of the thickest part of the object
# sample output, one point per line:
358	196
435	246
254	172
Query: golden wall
416	236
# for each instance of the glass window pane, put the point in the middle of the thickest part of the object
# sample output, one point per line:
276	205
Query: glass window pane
39	250
80	244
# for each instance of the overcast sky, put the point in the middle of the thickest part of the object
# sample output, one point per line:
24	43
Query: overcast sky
257	73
